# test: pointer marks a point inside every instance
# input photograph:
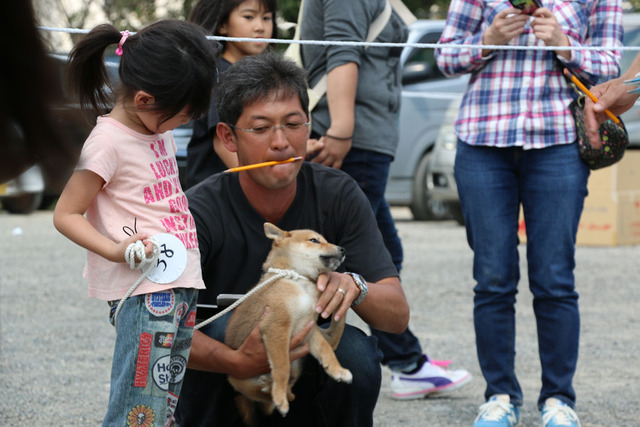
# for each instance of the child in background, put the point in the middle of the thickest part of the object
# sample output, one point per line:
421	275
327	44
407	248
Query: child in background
229	18
125	193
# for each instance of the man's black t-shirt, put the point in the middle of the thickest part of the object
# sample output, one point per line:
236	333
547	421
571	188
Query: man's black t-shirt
231	236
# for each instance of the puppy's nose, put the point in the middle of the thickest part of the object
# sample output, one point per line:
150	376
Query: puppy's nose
341	250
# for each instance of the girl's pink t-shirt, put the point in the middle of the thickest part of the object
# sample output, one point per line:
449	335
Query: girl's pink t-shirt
142	193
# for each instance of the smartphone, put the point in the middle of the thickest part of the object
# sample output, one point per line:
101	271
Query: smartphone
526	6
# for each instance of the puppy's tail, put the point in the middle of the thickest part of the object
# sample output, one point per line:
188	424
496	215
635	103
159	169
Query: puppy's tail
247	409
253	412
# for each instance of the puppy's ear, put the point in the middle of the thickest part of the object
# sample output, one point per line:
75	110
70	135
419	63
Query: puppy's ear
273	232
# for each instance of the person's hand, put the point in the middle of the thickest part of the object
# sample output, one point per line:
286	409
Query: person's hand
546	27
333	151
338	292
253	355
120	249
313	148
612	95
506	25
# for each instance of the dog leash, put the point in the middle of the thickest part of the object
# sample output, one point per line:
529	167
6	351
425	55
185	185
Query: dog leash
136	250
279	274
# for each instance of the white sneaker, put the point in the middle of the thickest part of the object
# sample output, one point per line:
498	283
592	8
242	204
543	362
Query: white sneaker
557	413
497	412
430	378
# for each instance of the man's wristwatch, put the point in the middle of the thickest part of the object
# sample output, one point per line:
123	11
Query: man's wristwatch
362	284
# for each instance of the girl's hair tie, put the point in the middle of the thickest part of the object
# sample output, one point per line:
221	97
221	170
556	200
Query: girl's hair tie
125	34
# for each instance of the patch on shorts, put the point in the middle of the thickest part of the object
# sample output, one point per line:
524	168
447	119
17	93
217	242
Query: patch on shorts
181	310
168	369
144	356
182	345
160	303
141	416
172	402
163	339
191	320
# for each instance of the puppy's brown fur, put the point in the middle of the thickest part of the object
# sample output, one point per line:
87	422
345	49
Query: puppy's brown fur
292	305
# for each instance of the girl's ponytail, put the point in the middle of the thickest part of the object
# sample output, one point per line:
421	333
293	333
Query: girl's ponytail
88	77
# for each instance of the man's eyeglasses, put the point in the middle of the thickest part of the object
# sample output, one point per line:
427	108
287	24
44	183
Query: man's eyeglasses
289	129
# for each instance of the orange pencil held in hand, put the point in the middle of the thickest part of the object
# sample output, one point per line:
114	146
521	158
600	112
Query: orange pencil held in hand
587	92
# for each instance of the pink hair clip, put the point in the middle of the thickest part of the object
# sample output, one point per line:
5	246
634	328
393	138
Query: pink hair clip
125	34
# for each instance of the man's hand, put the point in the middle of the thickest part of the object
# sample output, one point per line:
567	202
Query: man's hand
338	292
613	96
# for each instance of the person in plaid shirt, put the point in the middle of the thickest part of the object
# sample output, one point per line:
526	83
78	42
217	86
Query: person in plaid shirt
517	147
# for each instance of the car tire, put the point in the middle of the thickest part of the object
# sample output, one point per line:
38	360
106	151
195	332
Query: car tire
423	206
22	204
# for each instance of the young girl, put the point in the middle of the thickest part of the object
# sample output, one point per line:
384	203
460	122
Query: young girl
229	18
125	191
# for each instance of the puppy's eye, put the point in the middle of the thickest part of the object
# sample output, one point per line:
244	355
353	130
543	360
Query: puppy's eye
314	240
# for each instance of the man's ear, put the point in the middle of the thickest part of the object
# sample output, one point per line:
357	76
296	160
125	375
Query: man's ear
227	136
143	99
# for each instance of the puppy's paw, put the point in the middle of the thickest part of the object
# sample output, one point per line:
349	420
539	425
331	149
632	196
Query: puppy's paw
265	382
282	405
341	375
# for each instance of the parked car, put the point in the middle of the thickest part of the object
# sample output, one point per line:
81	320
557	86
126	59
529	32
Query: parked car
440	182
426	96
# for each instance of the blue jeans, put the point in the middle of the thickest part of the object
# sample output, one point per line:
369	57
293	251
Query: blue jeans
208	399
551	185
371	171
150	357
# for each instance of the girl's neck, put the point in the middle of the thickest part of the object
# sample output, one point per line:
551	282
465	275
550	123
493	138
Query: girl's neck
230	56
129	118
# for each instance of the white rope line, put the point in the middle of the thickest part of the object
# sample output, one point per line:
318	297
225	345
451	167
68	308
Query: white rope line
379	44
136	250
279	274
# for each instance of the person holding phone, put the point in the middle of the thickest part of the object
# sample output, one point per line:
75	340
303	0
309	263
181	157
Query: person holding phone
517	146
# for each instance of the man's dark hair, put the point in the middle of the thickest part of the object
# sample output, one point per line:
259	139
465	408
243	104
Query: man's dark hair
258	77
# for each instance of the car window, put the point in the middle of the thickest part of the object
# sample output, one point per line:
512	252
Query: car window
421	64
631	38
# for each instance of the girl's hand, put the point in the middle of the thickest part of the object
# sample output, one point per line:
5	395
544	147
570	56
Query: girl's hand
119	250
546	27
507	24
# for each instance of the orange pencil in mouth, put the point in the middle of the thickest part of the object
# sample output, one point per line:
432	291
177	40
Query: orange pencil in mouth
264	164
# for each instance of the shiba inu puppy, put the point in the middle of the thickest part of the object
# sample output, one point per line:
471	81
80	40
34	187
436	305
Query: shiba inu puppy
300	256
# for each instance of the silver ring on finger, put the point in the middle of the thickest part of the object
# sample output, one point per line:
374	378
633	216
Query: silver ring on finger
342	291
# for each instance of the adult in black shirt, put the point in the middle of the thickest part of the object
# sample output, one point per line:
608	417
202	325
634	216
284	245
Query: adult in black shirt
263	121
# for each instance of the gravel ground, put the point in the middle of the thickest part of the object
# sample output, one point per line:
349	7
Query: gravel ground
56	343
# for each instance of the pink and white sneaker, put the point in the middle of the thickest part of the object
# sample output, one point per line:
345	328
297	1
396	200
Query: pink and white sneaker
429	378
